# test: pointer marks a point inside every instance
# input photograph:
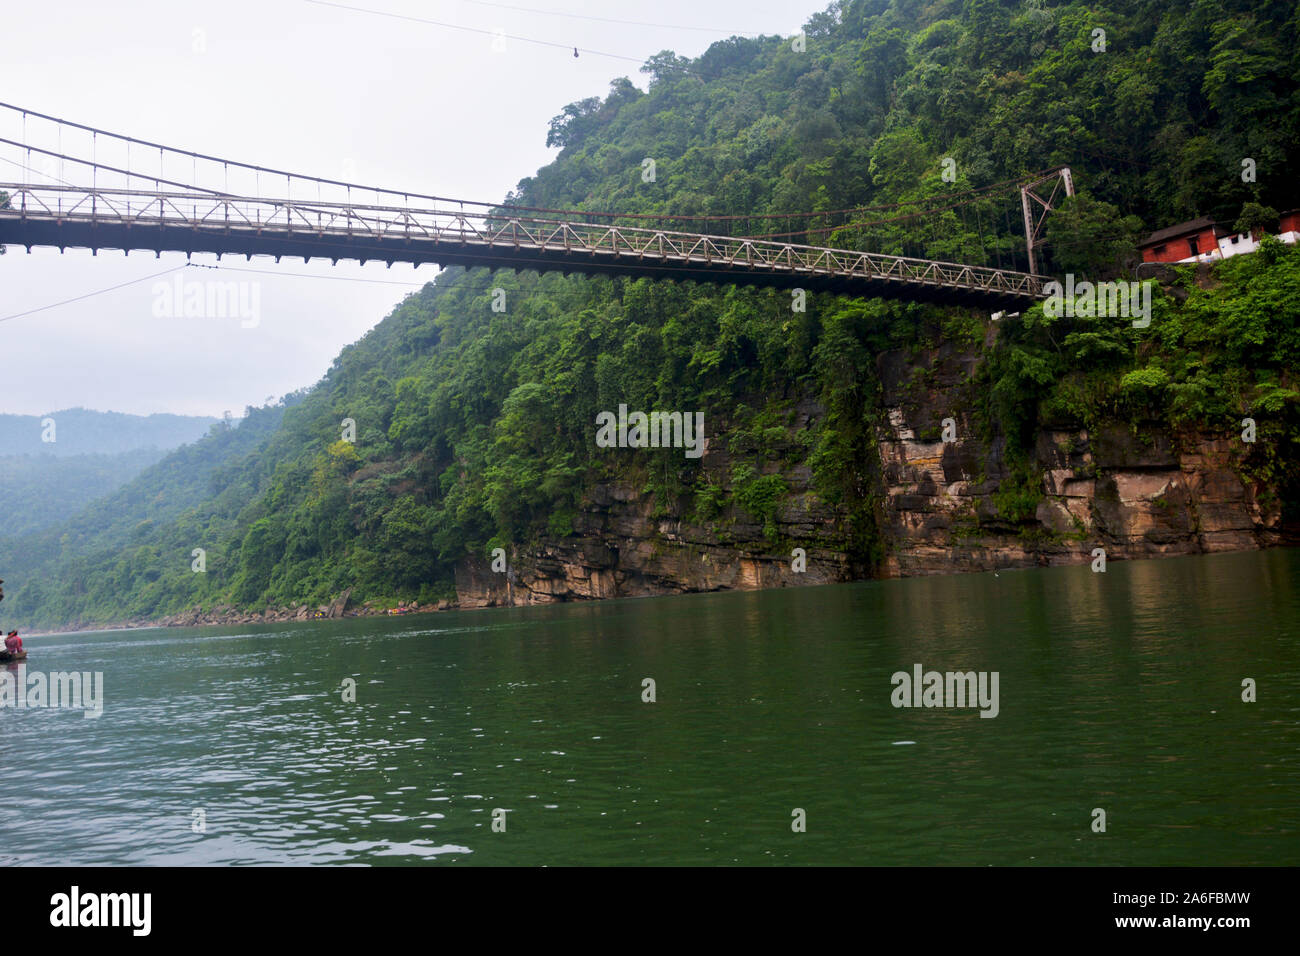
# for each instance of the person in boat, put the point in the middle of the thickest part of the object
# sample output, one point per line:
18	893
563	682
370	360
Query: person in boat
14	643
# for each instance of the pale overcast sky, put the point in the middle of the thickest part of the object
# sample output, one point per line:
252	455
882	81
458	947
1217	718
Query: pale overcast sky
312	88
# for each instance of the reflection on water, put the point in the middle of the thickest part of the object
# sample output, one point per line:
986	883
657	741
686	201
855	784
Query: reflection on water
1119	690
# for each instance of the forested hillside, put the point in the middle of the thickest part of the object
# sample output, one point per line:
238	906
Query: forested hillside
474	427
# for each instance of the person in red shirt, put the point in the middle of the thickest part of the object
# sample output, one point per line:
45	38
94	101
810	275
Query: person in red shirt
14	643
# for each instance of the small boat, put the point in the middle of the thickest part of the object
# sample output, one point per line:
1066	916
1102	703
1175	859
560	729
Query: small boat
6	657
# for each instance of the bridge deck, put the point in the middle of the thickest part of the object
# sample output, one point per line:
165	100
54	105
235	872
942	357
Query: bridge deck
74	217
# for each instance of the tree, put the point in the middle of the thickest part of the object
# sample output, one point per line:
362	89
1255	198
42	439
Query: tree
1256	219
568	128
1089	237
261	550
405	539
664	66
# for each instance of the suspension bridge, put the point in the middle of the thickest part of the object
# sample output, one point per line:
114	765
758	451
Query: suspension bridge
122	193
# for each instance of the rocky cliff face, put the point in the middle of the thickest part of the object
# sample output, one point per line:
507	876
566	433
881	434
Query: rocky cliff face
1134	490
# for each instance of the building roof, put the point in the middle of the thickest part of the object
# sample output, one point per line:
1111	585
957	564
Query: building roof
1184	229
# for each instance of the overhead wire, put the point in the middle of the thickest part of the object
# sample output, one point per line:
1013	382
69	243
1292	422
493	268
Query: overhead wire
468	29
88	295
585	16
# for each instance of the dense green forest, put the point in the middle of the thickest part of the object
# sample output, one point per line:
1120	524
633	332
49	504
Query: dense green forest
474	427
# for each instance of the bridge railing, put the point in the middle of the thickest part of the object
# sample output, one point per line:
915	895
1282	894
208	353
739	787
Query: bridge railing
344	223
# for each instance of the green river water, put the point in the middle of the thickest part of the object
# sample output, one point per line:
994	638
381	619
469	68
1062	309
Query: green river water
1120	691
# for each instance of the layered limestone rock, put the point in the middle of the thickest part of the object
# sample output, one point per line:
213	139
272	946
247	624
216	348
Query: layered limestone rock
618	550
621	548
1134	490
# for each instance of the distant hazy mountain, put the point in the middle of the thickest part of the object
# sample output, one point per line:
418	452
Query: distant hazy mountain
38	491
43	483
78	431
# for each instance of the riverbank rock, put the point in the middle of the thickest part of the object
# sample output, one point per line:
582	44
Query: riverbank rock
339	605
